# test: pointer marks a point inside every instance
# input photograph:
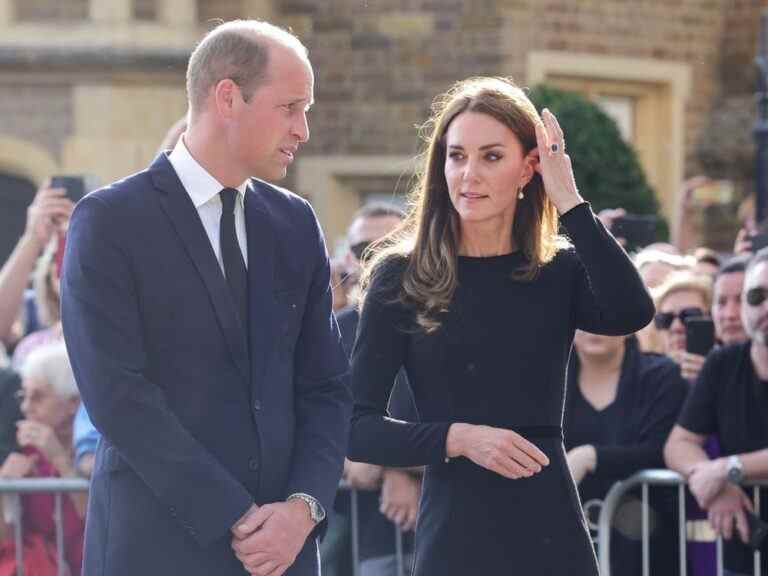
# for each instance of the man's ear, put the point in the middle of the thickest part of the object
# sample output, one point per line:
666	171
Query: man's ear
224	95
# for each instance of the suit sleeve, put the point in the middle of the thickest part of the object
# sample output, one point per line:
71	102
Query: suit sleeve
102	321
323	402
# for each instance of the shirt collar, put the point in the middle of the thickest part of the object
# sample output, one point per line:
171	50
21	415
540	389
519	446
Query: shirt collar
197	181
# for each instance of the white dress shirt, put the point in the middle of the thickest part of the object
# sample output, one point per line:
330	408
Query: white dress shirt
204	190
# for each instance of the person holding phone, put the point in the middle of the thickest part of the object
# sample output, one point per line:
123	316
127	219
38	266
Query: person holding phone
477	298
683	295
730	400
47	218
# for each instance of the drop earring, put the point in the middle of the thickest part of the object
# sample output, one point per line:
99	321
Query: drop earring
520	194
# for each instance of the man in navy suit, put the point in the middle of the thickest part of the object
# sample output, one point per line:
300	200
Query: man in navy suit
197	313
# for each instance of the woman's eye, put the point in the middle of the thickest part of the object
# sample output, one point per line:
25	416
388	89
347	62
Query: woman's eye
493	156
456	155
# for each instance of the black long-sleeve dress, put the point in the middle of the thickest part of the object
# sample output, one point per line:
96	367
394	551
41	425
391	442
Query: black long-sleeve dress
499	358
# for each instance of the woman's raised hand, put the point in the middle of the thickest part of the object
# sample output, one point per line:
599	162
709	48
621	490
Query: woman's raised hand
554	164
496	449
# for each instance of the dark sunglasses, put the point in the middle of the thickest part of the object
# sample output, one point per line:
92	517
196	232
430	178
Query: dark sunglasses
360	248
663	320
757	295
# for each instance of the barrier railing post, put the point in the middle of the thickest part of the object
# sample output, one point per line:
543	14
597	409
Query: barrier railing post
17	532
719	547
399	556
646	533
682	536
354	518
59	534
758	557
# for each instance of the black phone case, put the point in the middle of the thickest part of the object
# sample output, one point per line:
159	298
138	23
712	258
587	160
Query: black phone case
74	185
758	530
699	335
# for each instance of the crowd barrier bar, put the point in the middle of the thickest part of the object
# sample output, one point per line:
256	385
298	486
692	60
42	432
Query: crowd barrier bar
55	486
59	486
355	535
646	478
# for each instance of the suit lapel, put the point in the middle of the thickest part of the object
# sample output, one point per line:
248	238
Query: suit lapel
181	211
261	267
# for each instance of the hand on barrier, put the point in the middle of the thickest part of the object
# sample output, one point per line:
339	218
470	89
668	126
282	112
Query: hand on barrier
707	479
400	498
361	476
581	461
497	449
268	538
727	509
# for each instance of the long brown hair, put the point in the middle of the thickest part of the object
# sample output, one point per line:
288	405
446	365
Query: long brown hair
430	235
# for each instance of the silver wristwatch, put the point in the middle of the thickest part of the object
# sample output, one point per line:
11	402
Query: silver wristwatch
735	469
316	511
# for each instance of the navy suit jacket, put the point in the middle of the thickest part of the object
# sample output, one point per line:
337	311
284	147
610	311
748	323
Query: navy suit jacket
199	416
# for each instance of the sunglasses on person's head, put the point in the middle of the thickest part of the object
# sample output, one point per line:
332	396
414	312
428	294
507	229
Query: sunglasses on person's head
359	248
663	320
756	295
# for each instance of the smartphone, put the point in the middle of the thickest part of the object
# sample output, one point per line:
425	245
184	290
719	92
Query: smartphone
699	335
758	530
637	229
74	186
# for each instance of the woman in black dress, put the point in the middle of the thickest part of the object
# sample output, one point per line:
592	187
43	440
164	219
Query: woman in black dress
478	297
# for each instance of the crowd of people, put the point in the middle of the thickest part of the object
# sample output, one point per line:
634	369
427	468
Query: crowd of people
458	334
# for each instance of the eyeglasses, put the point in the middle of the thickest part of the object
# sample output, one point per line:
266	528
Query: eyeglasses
34	397
359	249
756	295
663	320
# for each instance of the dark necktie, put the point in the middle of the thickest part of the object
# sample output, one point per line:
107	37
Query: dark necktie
234	265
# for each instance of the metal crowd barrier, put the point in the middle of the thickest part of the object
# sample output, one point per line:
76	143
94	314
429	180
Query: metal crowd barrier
646	478
63	486
55	486
355	536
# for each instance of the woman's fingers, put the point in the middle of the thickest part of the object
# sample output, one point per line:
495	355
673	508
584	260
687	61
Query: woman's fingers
524	459
530	449
553	124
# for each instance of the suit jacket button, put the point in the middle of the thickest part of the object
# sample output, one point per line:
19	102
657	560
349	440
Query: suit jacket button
257	405
253	464
173	511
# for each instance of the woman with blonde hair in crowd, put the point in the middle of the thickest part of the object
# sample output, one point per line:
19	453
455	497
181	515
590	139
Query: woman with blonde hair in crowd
477	298
683	295
46	284
655	263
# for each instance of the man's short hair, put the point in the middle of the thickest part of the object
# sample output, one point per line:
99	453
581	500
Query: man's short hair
238	50
379	210
734	265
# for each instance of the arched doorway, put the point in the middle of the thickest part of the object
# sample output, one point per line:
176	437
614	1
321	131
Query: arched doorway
16	194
